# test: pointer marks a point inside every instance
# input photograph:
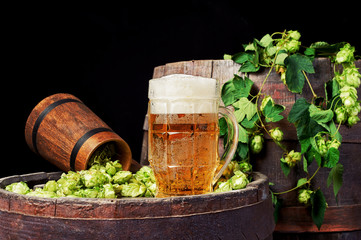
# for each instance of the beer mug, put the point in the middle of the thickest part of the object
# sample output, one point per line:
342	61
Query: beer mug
183	134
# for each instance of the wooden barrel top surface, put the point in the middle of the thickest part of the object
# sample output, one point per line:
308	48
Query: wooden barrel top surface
216	214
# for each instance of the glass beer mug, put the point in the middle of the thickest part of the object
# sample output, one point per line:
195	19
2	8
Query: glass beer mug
183	134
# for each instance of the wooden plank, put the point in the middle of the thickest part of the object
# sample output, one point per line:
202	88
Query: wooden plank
223	70
202	68
158	71
185	67
337	219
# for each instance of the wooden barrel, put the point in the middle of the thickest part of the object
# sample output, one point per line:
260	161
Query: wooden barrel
342	219
65	132
241	214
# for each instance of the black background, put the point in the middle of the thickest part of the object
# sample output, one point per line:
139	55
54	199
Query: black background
105	55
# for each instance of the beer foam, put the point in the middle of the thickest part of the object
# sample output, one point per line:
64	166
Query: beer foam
183	86
180	93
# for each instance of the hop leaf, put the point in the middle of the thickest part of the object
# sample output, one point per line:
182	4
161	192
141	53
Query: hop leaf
272	112
295	64
236	88
300	116
335	177
245	108
319	204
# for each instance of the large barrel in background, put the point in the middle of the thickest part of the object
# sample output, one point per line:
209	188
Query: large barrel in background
64	131
342	219
245	214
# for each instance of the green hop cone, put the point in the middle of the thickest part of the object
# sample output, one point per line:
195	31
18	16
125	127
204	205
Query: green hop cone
122	177
290	43
352	120
18	187
68	183
283	77
133	190
349	102
341	115
333	144
145	174
110	169
108	191
354	111
39	192
292	158
224	186
304	196
292	46
294	35
88	193
345	55
352	76
231	168
51	186
348	96
340	78
265	101
277	134
295	155
257	144
347	91
245	167
322	148
118	166
239	180
94	178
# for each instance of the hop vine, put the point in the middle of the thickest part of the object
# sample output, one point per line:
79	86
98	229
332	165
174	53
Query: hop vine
317	120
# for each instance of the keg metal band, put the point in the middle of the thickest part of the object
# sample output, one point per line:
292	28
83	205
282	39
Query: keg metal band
42	116
81	141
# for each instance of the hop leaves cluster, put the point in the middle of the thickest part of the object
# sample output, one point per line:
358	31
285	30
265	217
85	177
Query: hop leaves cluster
315	120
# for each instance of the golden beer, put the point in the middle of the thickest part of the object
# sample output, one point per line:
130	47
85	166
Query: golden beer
183	151
183	134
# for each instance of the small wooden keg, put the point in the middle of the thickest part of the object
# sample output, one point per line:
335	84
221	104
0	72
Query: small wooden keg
65	132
